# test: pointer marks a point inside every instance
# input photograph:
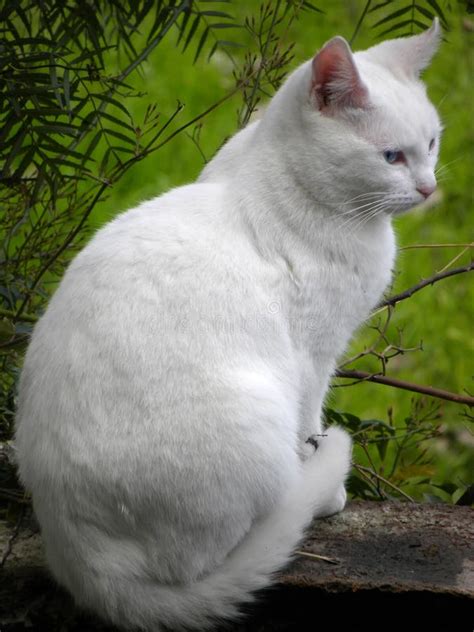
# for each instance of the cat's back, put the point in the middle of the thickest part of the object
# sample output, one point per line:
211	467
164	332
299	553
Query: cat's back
154	249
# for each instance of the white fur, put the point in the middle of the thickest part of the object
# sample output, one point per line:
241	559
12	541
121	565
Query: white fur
169	389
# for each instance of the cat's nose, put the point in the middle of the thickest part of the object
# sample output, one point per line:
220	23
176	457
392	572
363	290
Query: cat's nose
426	189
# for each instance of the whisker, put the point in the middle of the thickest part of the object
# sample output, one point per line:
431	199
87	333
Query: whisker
445	165
366	218
357	209
366	195
354	219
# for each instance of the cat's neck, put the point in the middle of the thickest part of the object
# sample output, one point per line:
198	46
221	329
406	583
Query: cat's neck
285	205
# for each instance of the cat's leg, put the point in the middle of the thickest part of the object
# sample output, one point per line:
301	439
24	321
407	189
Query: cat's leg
311	428
334	450
313	439
315	442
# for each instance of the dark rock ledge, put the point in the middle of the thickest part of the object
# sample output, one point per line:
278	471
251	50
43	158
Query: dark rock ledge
373	566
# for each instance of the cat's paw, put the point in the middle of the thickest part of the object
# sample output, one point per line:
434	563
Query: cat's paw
309	447
337	440
336	504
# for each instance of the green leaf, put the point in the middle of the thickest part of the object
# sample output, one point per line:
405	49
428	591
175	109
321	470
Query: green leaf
311	7
377	423
380	6
392	16
117	121
92	54
225	25
46	111
192	31
22	15
66	87
55	84
333	415
108	99
201	43
17	343
92	145
25	162
447	487
7	330
360	487
424	12
160	19
105	161
15	151
119	135
217	14
33	41
400	25
49	143
58	128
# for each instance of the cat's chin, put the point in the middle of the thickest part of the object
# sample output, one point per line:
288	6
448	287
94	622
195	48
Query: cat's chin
402	211
404	206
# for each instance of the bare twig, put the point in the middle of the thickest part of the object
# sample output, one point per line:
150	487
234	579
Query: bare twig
407	386
323	558
454	259
367	470
418	246
396	298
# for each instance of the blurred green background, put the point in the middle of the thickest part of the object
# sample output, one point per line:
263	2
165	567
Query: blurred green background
438	316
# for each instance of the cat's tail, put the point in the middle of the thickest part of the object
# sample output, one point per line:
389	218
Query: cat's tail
139	602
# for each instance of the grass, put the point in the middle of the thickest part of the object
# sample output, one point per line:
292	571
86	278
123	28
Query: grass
439	316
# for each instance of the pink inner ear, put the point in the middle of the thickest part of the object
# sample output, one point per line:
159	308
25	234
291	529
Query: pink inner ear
336	81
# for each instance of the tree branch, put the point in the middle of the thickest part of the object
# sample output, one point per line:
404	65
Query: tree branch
407	386
396	298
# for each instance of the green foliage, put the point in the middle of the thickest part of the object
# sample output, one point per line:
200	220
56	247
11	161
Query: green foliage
402	18
394	459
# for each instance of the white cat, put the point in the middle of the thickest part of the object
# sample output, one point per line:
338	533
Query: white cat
171	386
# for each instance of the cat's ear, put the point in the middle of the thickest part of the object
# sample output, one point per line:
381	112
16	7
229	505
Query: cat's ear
336	82
421	48
409	56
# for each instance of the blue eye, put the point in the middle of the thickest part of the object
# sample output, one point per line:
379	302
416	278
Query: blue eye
392	156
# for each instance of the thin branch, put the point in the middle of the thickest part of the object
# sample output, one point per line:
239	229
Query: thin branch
381	478
396	298
376	488
148	150
407	386
323	558
417	246
453	260
248	113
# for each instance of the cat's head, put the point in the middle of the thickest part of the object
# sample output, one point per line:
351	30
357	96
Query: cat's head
369	114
